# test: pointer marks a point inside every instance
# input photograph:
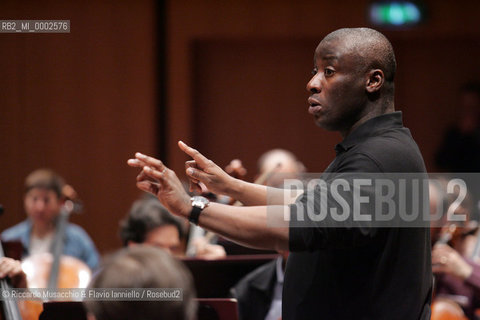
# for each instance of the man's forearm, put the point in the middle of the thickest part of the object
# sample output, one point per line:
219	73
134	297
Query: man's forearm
251	194
248	225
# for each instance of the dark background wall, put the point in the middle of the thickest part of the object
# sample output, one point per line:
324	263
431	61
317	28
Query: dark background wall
82	103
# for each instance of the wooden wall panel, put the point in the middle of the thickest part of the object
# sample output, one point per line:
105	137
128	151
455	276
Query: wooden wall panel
250	96
430	73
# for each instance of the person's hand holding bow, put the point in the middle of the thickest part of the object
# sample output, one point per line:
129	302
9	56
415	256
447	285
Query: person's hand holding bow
13	269
445	259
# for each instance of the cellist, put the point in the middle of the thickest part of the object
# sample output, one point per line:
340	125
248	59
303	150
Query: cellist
43	200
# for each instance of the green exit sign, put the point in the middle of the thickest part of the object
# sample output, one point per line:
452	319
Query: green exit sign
396	13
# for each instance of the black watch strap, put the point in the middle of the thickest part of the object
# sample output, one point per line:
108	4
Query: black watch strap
195	215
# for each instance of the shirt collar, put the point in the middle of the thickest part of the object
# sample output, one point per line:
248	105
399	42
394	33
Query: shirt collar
370	128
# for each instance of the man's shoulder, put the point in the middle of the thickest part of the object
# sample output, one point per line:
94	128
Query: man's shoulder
16	231
390	138
392	151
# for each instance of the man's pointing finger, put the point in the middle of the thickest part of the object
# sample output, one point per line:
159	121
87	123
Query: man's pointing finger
197	156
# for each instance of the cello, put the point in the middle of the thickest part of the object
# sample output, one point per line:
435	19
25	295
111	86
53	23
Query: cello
53	270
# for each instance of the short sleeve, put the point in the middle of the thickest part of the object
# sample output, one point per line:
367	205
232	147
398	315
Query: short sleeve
310	235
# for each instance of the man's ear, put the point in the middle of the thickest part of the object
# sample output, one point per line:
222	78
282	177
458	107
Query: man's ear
375	80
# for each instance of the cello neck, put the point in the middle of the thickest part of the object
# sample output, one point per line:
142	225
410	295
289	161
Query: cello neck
57	245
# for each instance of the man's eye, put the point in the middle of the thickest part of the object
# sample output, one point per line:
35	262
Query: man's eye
328	72
314	72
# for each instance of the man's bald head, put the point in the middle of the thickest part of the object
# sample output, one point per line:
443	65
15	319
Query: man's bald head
372	48
352	79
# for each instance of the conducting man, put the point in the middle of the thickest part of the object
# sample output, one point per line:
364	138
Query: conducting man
332	273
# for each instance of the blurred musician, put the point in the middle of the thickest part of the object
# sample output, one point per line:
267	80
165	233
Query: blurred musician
143	267
456	269
42	202
148	222
259	293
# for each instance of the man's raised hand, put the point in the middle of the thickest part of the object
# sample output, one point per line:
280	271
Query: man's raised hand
162	182
203	170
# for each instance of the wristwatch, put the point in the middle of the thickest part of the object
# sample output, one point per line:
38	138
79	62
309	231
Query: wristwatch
198	204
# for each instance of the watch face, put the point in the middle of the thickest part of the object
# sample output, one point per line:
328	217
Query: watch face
200	202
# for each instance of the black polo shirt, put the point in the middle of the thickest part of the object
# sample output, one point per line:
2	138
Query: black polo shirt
344	273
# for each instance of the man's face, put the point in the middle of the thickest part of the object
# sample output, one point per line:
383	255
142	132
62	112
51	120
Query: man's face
165	237
42	206
337	89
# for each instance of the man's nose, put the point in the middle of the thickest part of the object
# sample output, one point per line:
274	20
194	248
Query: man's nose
313	85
